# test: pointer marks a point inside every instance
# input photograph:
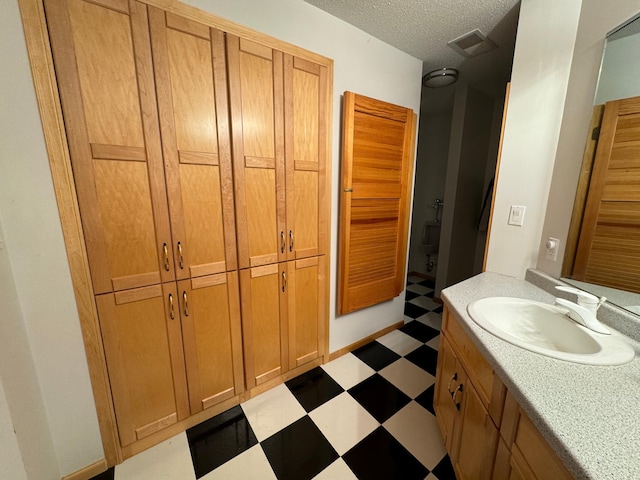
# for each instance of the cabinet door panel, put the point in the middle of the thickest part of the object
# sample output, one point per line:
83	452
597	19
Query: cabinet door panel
305	295
189	63
450	377
143	348
103	64
264	329
305	85
210	315
257	117
478	439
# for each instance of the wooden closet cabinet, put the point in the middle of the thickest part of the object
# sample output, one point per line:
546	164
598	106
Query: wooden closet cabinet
282	308
278	118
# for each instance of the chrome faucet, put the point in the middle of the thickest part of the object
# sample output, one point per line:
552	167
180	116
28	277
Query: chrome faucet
584	311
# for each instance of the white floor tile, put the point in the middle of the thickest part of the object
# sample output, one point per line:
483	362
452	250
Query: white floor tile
425	302
431	476
419	289
434	343
417	430
348	370
343	421
407	319
408	377
399	342
271	411
338	470
414	278
432	319
169	460
249	465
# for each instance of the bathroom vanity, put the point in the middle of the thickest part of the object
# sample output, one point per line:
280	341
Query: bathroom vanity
508	413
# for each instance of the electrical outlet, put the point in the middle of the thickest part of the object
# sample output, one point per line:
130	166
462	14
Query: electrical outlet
516	215
553	244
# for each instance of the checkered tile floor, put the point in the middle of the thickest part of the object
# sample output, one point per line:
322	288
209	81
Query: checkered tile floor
366	415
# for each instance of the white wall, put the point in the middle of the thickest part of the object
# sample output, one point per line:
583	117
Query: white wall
45	306
47	372
541	67
596	21
362	64
12	463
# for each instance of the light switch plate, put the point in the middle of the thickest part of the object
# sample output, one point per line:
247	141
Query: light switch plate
516	215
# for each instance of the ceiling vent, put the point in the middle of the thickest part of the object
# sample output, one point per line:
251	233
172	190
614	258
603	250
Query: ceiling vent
472	44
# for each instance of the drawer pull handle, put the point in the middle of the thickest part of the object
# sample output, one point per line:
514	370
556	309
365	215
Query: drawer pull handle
453	396
171	312
453	379
186	304
165	252
291	240
284	282
180	258
282	242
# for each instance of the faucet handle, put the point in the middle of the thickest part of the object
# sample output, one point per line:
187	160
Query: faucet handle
585	299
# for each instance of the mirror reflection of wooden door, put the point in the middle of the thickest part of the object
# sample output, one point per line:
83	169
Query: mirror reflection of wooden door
608	251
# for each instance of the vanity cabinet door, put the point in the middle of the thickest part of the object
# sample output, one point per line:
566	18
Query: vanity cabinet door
450	384
478	439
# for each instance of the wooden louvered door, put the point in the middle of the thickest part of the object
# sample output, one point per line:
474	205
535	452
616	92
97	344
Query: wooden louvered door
256	100
189	62
143	347
105	77
608	251
305	89
377	167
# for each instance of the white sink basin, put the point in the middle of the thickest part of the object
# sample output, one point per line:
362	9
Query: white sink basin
544	329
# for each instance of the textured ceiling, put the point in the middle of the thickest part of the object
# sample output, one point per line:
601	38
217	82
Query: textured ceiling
422	29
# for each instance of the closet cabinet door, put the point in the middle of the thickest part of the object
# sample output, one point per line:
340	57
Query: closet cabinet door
305	298
305	93
103	62
210	314
264	328
143	347
189	63
256	99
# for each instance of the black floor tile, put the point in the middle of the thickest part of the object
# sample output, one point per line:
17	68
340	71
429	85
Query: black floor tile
419	331
413	311
426	399
438	310
379	397
444	469
425	357
219	439
429	294
380	456
376	355
108	475
314	388
428	282
410	295
299	451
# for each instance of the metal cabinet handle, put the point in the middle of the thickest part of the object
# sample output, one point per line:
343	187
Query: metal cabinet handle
291	240
180	258
453	396
165	251
186	303
284	282
453	379
171	312
282	242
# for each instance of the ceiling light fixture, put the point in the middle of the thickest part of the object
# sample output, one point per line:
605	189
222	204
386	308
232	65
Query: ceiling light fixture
441	77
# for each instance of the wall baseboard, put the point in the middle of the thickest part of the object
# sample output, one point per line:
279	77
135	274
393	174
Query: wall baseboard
364	341
88	472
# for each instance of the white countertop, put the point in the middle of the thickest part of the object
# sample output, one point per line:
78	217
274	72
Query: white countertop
590	415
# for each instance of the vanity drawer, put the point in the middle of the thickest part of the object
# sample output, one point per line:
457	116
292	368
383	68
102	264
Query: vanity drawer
489	387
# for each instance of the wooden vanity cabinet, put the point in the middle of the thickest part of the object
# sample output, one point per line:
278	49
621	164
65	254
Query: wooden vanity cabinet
470	431
486	433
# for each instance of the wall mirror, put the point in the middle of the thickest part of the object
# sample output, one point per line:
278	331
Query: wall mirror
603	246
